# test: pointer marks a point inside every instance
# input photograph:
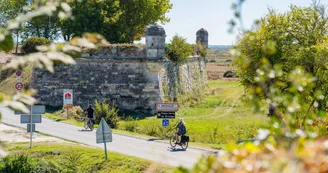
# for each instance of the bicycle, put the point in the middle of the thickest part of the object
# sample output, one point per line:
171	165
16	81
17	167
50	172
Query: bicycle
88	123
183	141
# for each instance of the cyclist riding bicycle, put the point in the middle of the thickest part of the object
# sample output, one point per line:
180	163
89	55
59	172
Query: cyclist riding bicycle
181	127
90	111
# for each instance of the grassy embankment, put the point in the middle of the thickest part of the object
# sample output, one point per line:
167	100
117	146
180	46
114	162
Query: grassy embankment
7	86
220	117
76	158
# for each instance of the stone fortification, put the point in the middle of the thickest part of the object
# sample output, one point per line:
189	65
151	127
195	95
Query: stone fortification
131	76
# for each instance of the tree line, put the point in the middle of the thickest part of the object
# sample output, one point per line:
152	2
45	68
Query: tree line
119	21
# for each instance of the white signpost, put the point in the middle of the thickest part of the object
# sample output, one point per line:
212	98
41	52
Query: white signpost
68	100
167	107
34	116
67	96
104	134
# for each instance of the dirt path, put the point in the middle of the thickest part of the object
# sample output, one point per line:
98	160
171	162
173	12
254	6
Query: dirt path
13	134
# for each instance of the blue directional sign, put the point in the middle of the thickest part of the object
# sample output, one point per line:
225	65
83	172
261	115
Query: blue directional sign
165	122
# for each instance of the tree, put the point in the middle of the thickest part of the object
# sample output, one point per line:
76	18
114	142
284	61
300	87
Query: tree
119	21
199	49
29	46
297	38
41	26
179	50
46	58
10	9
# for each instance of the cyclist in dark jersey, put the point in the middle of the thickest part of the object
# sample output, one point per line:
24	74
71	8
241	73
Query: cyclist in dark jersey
90	111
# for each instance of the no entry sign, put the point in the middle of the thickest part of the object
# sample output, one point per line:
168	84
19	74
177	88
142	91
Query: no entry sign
19	85
18	73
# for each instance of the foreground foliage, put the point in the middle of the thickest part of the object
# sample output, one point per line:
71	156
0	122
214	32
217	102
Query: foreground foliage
281	64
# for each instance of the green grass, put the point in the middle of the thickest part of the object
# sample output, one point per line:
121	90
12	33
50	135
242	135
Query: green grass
55	117
86	158
7	86
219	118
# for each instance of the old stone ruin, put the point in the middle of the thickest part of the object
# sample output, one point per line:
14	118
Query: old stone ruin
131	76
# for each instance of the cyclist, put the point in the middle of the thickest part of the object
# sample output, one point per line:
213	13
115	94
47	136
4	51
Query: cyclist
90	111
181	127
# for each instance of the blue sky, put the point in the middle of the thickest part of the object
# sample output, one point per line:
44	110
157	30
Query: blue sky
187	16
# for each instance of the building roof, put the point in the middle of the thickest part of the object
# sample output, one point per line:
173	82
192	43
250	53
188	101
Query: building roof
202	31
5	57
155	30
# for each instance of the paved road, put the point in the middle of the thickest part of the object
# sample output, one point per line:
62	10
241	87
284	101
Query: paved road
150	150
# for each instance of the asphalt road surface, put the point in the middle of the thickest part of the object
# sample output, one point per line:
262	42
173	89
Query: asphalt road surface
142	148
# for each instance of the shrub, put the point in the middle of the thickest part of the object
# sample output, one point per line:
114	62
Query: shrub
17	163
29	46
179	50
229	74
199	49
75	113
130	125
22	163
108	112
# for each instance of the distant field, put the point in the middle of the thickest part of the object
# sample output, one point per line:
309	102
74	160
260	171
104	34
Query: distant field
219	61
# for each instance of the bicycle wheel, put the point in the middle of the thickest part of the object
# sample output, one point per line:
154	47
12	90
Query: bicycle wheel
184	145
90	125
86	124
173	141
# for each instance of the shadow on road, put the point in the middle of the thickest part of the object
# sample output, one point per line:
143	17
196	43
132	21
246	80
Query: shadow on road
176	149
83	130
154	139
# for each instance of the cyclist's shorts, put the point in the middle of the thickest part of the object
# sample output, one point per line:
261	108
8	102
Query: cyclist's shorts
180	133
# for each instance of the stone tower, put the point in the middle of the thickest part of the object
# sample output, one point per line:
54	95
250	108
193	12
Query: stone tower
202	37
155	41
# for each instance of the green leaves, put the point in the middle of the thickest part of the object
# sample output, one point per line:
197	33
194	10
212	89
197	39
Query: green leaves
119	21
179	50
6	42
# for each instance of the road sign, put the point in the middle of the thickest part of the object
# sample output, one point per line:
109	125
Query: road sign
29	127
18	73
36	110
166	115
165	123
19	85
68	96
104	133
167	107
26	119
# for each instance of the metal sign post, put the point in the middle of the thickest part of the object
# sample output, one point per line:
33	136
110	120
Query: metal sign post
104	134
31	114
27	118
166	111
165	123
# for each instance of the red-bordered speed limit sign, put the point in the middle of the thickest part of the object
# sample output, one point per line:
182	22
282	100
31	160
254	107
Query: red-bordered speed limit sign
19	85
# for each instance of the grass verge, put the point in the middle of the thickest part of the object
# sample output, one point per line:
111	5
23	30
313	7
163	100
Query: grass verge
77	158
